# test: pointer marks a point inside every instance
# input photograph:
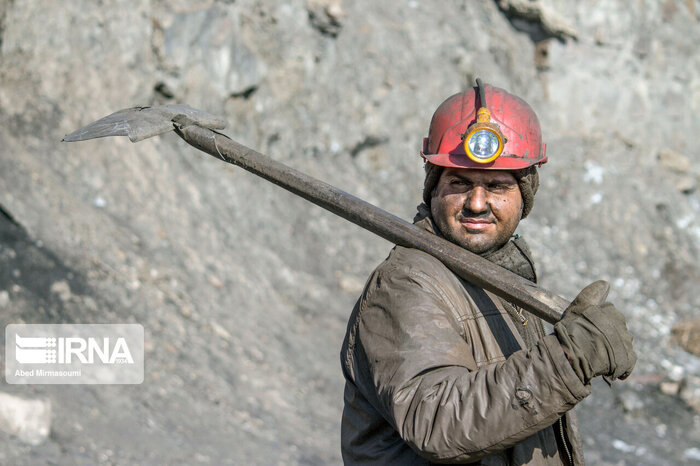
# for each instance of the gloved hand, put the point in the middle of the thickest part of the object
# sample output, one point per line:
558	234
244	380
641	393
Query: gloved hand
594	335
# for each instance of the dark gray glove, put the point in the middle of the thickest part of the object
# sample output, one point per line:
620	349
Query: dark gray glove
594	336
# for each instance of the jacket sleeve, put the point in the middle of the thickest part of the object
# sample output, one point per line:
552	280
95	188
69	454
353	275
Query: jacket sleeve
413	364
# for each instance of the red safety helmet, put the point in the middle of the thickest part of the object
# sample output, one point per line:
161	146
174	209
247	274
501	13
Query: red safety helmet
504	134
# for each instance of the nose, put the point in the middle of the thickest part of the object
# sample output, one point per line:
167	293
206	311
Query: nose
477	200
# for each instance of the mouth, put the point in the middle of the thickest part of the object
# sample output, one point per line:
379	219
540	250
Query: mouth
475	224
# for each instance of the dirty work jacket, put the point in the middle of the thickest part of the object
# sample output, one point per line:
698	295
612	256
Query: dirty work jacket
434	373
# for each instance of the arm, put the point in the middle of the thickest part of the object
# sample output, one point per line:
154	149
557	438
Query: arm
415	367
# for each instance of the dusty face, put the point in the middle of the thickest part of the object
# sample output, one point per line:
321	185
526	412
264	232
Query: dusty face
477	209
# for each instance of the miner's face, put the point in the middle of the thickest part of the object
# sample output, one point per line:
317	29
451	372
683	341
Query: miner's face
477	209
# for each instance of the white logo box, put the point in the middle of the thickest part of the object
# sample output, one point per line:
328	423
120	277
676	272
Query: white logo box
74	353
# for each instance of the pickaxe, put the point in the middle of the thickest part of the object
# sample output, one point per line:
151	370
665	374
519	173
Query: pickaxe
200	130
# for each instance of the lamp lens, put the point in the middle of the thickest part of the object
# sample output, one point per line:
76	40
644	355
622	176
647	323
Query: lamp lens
483	144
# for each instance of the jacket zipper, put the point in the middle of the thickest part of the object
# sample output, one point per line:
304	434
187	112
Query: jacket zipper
563	441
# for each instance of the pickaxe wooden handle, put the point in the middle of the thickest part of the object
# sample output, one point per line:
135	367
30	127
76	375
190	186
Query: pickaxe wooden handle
199	130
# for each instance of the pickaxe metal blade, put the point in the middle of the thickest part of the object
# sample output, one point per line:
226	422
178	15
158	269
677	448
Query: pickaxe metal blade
139	123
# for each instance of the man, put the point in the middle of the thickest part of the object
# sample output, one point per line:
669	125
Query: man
439	370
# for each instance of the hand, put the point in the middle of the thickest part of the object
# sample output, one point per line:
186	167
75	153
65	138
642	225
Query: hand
594	336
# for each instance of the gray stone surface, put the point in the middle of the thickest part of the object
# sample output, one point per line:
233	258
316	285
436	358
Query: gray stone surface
244	290
28	421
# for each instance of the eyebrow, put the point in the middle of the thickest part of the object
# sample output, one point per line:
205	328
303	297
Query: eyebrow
494	180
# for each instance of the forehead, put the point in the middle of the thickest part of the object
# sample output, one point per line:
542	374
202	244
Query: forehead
482	176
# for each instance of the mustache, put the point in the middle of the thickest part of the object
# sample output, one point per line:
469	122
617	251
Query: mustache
470	214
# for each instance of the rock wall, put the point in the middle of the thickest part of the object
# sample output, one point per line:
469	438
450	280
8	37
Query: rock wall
243	289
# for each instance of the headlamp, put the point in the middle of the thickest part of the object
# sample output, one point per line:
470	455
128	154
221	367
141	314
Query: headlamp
483	141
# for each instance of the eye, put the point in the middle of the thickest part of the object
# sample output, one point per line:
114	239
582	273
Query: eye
500	186
461	184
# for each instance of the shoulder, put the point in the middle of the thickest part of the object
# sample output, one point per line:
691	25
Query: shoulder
412	283
413	262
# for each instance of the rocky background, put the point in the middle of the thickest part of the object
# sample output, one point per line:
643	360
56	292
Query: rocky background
243	289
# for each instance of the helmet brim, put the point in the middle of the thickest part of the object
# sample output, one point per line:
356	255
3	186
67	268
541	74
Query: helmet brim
503	162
